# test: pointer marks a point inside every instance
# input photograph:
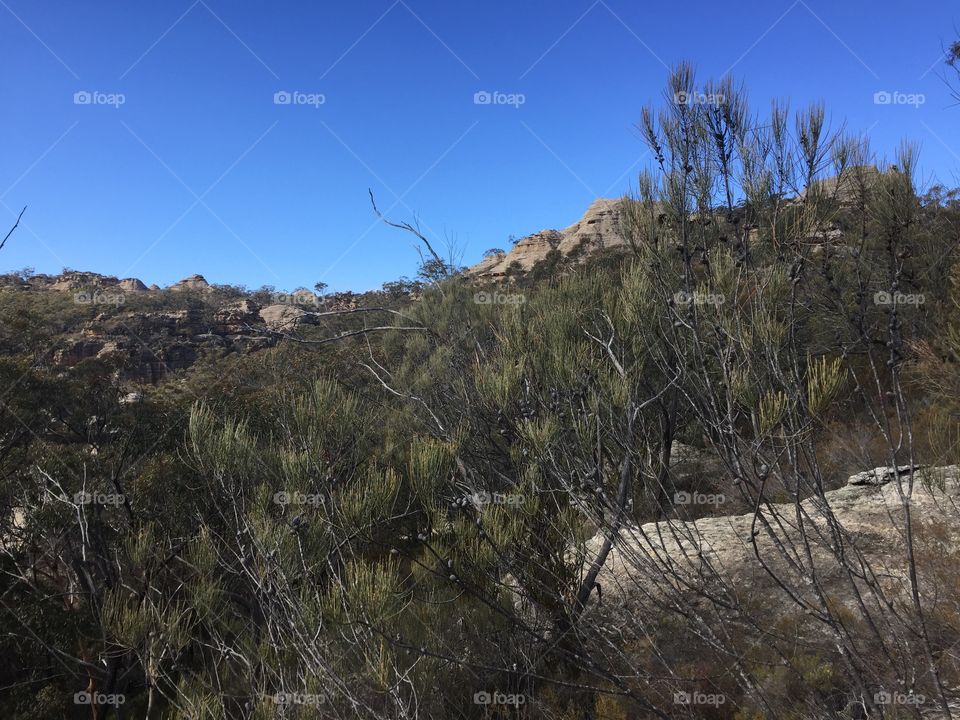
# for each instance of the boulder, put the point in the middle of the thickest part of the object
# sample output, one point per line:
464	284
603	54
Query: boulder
869	510
194	282
881	475
282	318
132	285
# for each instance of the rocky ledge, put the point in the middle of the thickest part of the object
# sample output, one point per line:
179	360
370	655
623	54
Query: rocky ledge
867	515
598	228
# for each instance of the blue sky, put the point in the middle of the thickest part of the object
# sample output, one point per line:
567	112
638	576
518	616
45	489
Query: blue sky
200	171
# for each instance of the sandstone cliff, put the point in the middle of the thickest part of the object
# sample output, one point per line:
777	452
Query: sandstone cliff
598	228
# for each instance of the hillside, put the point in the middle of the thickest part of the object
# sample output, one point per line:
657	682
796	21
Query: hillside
694	456
153	332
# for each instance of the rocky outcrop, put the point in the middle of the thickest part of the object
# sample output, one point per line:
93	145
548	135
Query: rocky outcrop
598	228
132	285
73	352
72	281
282	318
149	333
847	188
196	283
236	318
868	510
601	227
881	475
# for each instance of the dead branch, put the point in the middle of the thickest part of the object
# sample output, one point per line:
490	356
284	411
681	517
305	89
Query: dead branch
10	232
407	227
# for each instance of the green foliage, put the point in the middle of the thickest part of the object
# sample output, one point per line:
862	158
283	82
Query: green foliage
405	518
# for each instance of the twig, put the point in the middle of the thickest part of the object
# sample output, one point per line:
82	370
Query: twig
7	236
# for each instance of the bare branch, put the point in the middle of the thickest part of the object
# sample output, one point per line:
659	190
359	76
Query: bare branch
407	227
10	232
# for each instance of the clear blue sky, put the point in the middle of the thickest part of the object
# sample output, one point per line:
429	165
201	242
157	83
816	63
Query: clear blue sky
199	171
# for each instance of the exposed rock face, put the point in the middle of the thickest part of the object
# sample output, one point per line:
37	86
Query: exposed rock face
152	345
158	333
194	282
73	280
846	189
881	475
598	228
132	285
868	508
234	319
76	351
282	318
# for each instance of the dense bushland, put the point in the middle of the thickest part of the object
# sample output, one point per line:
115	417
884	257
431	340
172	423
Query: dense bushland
389	524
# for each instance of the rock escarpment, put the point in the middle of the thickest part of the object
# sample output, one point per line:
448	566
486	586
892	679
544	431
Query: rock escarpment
602	227
151	333
598	228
